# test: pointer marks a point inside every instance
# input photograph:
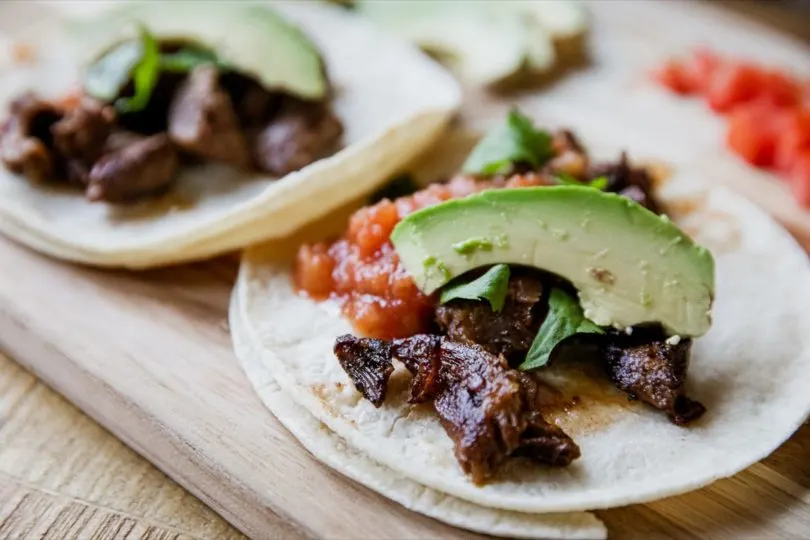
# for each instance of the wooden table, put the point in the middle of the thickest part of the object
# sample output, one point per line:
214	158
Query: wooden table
63	476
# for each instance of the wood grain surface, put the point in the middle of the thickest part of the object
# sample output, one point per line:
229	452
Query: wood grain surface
90	335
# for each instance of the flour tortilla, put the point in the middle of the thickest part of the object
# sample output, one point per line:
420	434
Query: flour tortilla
333	451
751	371
393	102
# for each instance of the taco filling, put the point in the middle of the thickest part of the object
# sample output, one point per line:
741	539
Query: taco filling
163	100
532	257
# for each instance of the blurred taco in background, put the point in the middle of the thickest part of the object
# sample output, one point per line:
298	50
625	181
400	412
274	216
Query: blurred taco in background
149	134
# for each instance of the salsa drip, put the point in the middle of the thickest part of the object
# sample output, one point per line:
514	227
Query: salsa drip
362	269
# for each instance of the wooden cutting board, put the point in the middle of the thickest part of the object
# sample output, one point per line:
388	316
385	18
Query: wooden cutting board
148	356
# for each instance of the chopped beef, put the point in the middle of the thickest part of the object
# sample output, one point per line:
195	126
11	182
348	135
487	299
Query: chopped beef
368	364
202	120
254	105
302	133
509	332
542	441
654	372
81	134
147	166
26	144
154	118
631	182
488	410
570	156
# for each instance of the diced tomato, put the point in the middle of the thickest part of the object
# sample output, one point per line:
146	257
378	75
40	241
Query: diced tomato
799	177
752	133
780	89
677	77
793	138
704	65
732	85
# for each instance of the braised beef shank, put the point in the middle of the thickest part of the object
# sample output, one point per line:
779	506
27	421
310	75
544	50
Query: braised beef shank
654	372
488	410
509	332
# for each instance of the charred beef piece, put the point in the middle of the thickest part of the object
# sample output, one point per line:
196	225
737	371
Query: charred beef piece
26	143
202	120
144	167
368	364
542	441
509	332
655	373
302	133
630	182
488	410
83	131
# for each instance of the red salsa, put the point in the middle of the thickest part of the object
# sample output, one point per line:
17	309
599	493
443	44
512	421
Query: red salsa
362	269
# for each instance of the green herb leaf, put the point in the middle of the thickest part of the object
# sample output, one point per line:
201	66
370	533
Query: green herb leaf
399	186
144	76
515	142
490	287
564	319
187	58
599	182
105	77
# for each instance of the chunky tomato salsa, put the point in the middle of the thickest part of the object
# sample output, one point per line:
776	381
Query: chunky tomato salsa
362	270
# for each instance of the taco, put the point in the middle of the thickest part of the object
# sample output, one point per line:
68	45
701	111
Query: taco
543	332
150	134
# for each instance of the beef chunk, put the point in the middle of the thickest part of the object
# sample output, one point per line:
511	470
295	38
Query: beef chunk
202	120
144	167
153	119
368	364
633	183
542	441
490	412
654	372
81	134
254	105
301	134
26	144
482	405
509	332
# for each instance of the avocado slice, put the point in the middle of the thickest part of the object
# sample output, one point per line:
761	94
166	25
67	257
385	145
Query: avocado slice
249	38
629	265
484	42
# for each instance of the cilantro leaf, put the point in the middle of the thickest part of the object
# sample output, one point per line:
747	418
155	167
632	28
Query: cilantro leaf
515	142
564	319
600	182
187	58
105	77
490	287
144	76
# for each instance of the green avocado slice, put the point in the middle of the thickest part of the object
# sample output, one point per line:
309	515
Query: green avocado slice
249	38
629	265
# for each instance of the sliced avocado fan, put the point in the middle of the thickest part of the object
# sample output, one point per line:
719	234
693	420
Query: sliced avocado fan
628	265
251	39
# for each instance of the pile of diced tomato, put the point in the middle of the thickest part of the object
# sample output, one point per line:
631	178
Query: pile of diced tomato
768	111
